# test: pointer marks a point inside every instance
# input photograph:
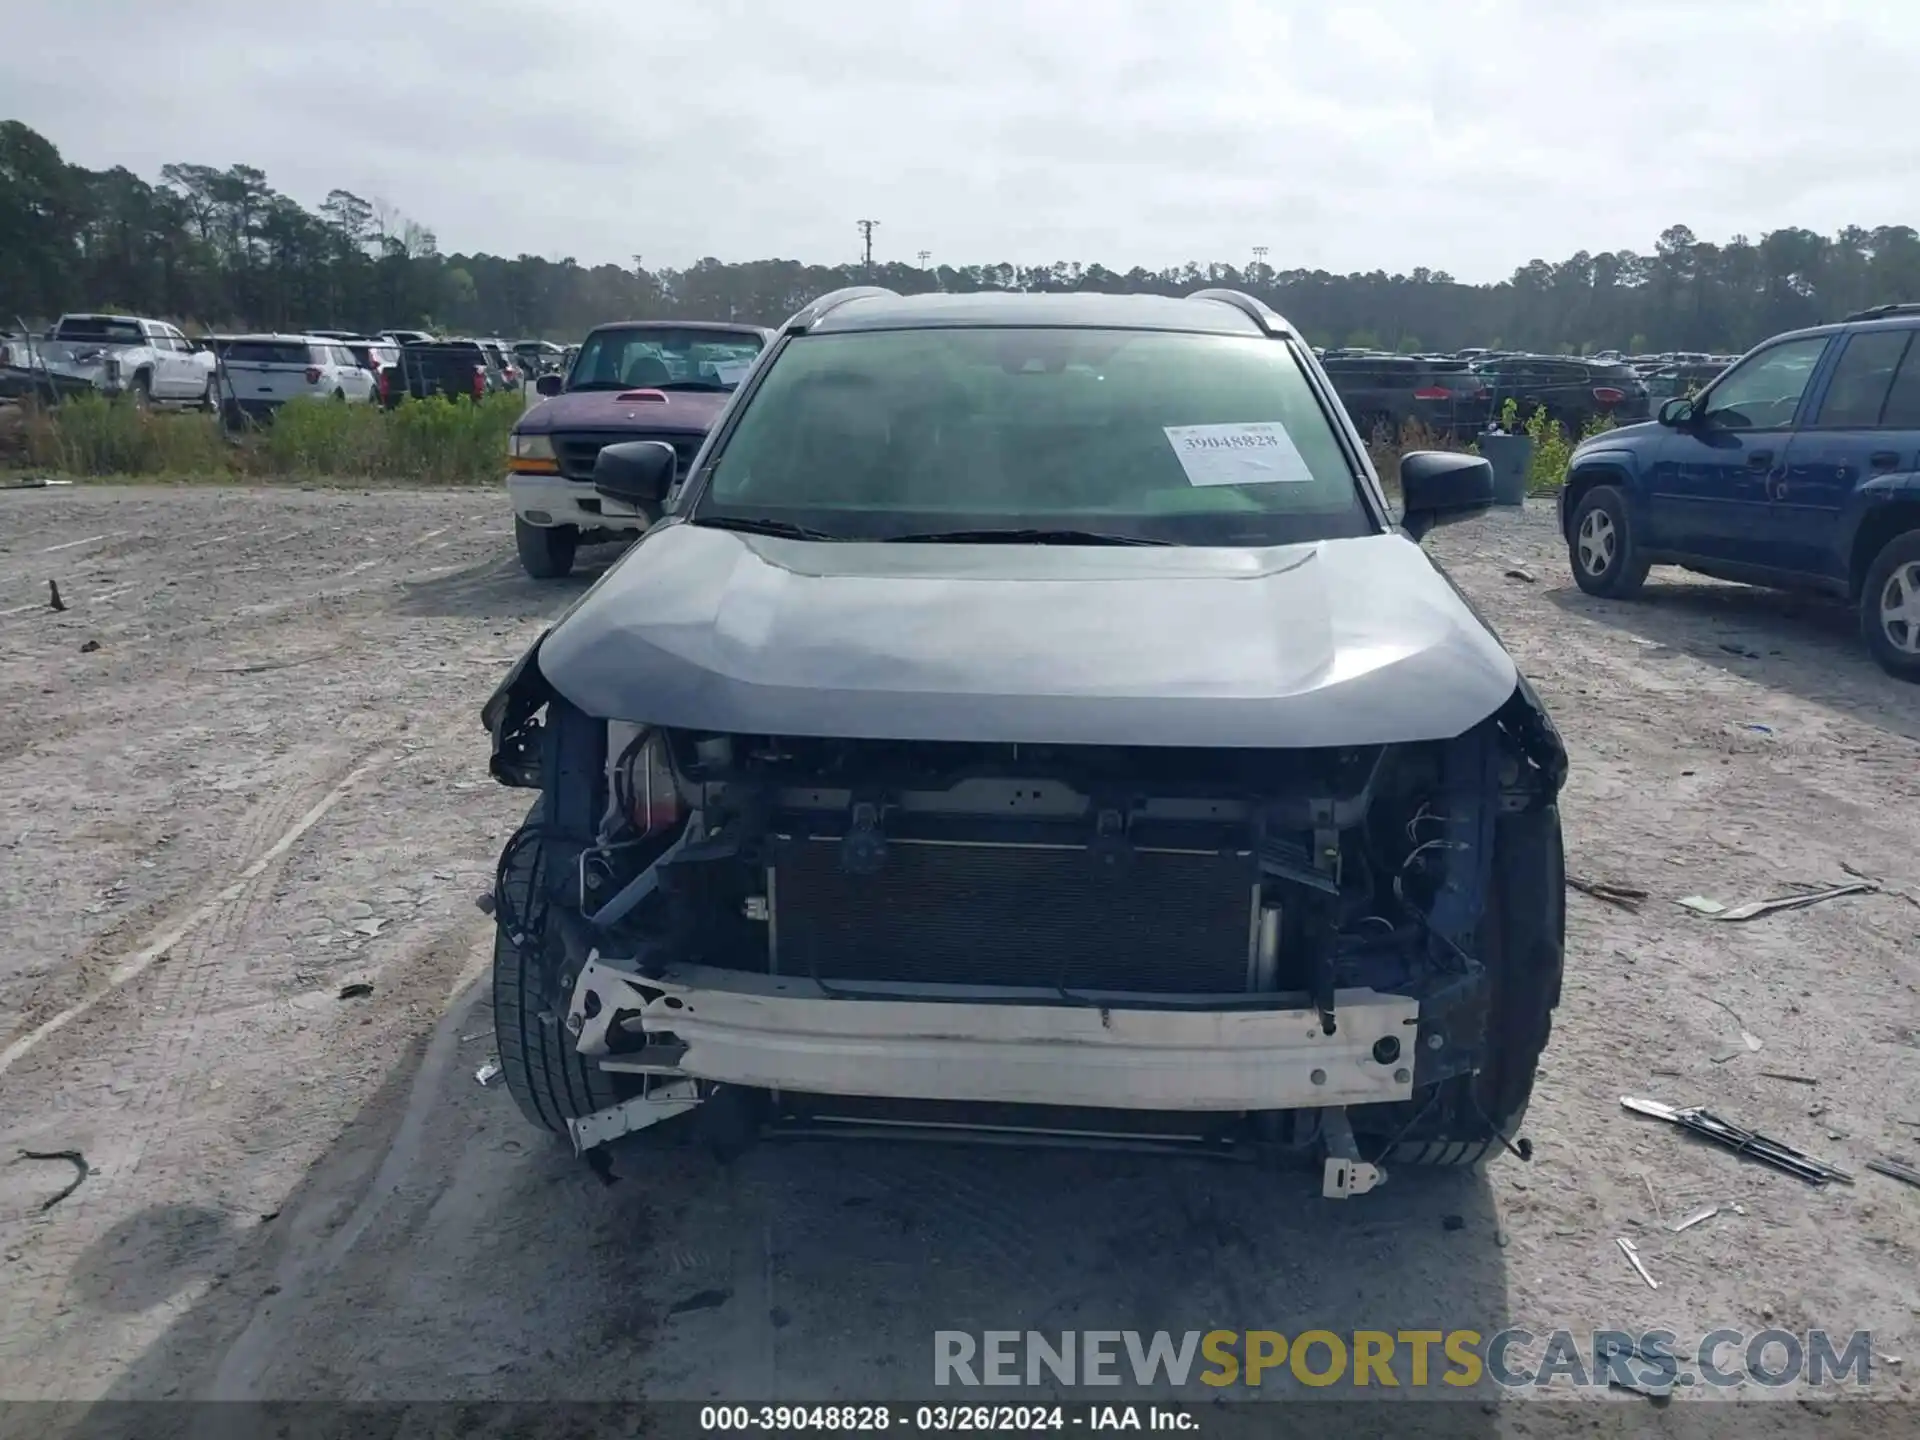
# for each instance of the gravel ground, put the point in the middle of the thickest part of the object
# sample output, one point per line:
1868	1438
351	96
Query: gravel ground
244	770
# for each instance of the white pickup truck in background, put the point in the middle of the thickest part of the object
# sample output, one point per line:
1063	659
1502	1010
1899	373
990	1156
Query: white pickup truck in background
149	361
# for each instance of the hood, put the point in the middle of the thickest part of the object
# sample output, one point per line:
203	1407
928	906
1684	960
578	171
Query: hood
1341	642
1631	434
692	411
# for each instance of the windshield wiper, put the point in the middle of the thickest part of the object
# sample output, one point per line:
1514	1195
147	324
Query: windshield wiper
755	525
1023	537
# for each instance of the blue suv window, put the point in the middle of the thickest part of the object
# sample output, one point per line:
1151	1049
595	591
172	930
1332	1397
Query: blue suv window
1858	391
1902	410
1763	391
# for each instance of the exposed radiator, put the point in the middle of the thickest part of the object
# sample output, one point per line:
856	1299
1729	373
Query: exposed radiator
944	913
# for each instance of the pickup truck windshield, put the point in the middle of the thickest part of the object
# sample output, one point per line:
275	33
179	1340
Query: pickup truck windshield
1037	436
663	358
112	332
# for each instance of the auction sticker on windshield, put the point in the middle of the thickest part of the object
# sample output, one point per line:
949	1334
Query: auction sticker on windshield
1255	454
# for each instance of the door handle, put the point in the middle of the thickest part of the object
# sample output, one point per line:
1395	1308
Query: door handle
1883	460
1759	459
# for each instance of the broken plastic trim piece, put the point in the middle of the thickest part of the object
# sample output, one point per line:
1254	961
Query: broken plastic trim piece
1344	1174
661	1102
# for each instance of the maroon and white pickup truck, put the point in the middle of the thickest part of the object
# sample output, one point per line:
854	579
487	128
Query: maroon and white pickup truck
644	380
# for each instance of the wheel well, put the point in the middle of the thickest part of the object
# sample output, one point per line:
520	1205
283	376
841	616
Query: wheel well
1583	480
1874	533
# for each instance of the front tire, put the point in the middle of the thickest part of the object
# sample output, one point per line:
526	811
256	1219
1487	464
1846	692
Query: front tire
547	1077
1601	547
1890	607
546	551
1523	946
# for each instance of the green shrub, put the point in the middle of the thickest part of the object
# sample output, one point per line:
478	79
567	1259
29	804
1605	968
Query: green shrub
93	436
1553	450
438	442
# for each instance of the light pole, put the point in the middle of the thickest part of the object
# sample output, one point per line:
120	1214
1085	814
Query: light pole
867	227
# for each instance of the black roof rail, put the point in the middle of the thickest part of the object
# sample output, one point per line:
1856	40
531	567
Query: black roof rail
1265	318
1878	312
833	300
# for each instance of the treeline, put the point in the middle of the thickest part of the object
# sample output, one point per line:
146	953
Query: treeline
222	248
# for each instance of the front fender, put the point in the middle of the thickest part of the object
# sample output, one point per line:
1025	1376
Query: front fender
1587	467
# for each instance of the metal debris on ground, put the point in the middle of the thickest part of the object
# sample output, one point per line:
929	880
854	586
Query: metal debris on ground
1714	910
1628	1249
356	990
54	602
72	1157
1760	729
1894	1170
1697	1218
1788	1075
89	647
1884	886
1520	572
486	1073
483	902
1742	1141
369	927
1627	897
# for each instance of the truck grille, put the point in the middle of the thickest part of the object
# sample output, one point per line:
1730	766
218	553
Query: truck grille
961	914
577	451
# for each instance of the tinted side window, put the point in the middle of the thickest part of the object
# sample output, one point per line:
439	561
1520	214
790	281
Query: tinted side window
1763	391
1902	410
1858	390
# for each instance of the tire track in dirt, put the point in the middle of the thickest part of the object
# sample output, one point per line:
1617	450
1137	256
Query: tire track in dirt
230	903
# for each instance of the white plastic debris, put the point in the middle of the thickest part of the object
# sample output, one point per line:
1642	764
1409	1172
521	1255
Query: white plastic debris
486	1073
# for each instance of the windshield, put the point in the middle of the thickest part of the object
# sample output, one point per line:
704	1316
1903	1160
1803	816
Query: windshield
662	358
1143	435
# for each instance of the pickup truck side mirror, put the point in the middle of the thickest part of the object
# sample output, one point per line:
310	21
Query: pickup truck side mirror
638	472
1440	487
549	383
1676	412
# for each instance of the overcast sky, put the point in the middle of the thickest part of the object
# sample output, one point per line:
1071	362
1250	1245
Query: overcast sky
1466	135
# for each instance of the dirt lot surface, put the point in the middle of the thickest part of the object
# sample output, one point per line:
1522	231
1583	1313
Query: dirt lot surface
243	770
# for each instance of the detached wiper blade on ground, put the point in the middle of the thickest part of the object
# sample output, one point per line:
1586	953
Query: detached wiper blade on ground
1022	537
752	525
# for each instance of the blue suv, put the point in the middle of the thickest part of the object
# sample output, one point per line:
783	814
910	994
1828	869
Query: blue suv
1797	468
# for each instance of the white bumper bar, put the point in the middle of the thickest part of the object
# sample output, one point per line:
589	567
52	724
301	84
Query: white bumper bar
554	500
1020	1047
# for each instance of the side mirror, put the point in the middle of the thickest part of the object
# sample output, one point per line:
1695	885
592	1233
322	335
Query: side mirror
637	473
549	383
1677	411
1439	487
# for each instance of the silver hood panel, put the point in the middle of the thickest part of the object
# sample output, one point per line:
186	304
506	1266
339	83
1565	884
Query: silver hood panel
1340	642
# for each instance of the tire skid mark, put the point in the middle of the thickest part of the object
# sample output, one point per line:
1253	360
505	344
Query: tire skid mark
134	965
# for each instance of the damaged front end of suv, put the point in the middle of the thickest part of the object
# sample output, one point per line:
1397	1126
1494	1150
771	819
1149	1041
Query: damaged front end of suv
1158	846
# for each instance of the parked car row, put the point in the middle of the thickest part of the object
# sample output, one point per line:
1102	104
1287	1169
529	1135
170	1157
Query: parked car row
1458	396
153	362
